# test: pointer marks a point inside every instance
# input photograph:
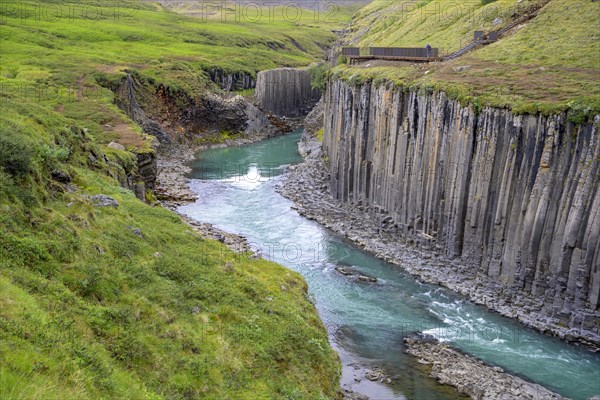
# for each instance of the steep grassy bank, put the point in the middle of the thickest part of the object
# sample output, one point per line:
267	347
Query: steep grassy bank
127	301
124	300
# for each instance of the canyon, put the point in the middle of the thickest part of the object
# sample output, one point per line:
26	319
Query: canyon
169	207
501	208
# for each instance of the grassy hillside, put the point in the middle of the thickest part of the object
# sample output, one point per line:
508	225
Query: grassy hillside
64	55
42	41
127	301
447	25
548	64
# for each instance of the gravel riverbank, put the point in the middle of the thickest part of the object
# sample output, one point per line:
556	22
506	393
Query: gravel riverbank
172	181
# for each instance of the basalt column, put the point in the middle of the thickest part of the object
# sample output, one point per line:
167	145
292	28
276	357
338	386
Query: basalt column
514	198
285	92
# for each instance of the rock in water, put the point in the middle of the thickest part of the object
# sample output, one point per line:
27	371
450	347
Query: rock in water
364	278
344	271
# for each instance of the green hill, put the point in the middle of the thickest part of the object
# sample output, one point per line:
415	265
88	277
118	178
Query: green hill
549	63
127	301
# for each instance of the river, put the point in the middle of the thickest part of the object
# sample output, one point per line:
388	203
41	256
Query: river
367	321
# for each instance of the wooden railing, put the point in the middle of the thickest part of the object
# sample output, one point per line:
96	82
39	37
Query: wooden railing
390	52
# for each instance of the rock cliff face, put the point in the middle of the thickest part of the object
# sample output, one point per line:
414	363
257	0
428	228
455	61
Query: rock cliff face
285	92
174	117
515	200
232	81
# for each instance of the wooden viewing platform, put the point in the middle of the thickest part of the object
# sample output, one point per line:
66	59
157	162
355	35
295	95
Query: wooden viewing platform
419	54
391	53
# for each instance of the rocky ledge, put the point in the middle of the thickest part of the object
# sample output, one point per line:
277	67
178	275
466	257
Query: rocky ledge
470	375
307	185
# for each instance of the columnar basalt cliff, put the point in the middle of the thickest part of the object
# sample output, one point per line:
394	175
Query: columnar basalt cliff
514	200
231	81
285	92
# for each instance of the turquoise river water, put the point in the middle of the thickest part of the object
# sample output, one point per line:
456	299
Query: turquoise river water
366	322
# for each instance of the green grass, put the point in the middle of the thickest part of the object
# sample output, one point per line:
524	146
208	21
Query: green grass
162	44
74	55
549	65
90	309
447	25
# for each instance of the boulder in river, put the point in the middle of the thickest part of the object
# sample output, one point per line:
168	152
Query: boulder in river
344	271
347	271
364	278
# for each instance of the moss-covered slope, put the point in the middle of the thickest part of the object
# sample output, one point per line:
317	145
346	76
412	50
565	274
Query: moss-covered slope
126	301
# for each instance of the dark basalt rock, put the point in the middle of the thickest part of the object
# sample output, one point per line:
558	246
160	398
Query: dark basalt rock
369	279
285	92
344	271
502	208
61	176
515	198
231	81
349	272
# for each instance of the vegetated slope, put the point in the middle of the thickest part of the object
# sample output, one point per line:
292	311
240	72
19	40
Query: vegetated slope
60	52
550	63
164	45
448	25
323	11
126	301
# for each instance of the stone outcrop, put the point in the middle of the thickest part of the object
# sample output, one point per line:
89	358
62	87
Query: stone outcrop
285	92
512	200
146	174
126	98
174	117
231	81
138	176
471	376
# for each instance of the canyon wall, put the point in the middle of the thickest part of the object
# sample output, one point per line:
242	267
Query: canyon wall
174	116
513	199
231	81
285	92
